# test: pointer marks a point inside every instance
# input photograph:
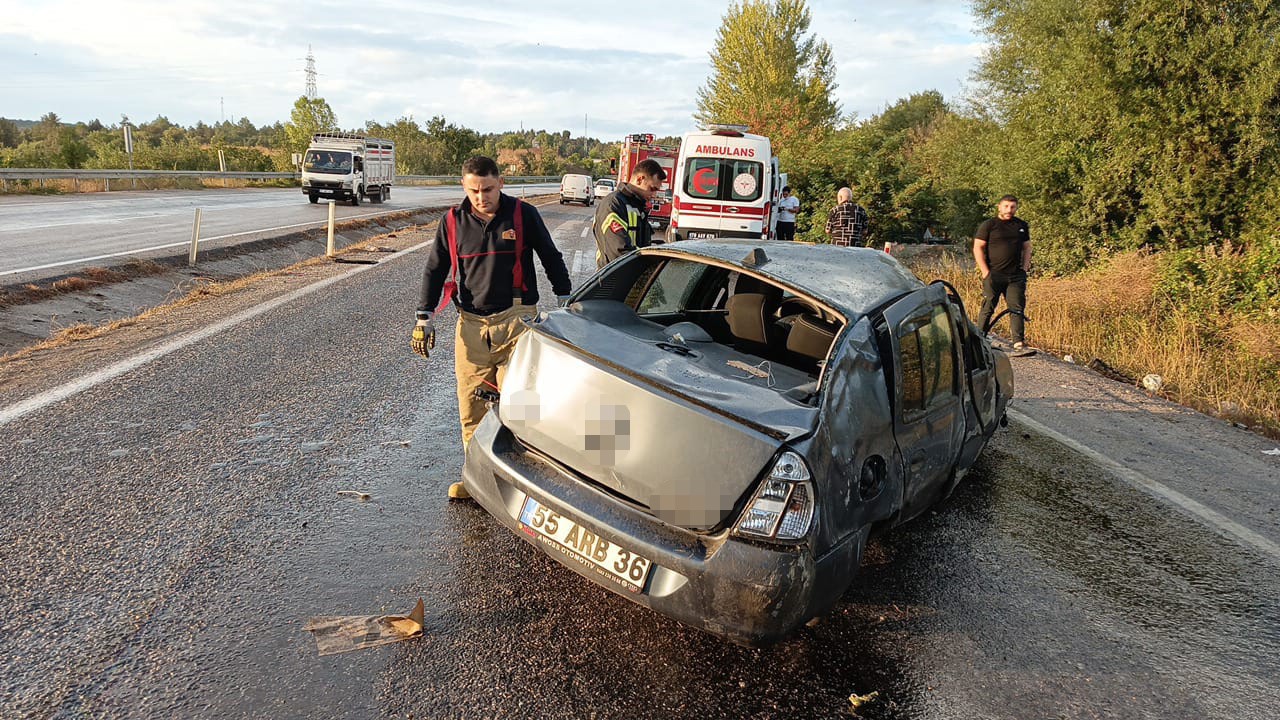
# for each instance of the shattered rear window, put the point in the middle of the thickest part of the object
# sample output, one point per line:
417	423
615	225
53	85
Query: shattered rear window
669	291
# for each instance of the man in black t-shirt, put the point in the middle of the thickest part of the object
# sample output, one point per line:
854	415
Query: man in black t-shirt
1002	249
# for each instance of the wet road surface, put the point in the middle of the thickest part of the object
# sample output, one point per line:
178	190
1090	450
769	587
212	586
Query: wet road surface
166	535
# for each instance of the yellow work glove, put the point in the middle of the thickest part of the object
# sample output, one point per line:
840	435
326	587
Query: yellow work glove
424	337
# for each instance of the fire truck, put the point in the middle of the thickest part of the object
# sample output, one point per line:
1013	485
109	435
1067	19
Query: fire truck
641	146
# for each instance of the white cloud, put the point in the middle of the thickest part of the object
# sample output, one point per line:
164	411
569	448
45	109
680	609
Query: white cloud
490	67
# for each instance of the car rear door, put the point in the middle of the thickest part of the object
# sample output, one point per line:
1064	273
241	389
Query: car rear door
928	414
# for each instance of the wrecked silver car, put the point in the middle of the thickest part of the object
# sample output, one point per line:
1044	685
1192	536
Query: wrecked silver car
712	429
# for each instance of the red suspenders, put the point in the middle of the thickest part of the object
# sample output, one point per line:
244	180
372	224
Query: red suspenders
451	234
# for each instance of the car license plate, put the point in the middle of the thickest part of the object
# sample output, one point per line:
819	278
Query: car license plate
619	565
702	236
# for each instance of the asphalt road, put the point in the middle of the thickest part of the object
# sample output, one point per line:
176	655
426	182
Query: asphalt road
167	533
60	233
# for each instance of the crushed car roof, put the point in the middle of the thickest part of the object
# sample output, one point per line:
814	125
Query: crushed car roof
853	280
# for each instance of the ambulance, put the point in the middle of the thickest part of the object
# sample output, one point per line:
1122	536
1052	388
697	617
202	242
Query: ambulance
727	185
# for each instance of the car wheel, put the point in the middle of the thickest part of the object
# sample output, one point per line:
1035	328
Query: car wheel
314	198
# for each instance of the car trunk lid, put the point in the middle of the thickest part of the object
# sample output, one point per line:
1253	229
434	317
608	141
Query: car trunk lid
658	427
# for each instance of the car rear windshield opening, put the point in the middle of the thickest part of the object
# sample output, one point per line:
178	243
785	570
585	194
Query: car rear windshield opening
738	317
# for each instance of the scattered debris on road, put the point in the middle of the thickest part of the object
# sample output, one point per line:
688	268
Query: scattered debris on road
343	633
856	701
358	494
1275	451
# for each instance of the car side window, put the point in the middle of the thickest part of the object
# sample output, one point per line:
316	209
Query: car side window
670	290
926	348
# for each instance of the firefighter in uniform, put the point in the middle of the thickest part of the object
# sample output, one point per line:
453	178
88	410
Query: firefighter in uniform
492	284
622	218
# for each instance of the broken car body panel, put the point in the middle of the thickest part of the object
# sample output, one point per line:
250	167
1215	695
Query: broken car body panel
713	429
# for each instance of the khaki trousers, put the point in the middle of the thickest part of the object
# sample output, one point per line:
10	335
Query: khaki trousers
482	346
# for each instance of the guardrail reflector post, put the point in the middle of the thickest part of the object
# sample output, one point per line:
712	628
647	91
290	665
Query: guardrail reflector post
195	240
329	251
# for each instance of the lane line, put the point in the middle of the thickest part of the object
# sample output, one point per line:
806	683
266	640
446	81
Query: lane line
42	400
585	230
187	243
1214	519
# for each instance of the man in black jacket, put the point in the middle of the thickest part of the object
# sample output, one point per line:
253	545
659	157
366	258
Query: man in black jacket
1002	250
622	218
482	260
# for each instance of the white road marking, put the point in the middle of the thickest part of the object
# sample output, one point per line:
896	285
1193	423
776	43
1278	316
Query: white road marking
1214	519
185	243
585	230
21	408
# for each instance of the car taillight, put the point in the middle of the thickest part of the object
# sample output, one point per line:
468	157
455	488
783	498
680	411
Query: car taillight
675	216
764	228
782	507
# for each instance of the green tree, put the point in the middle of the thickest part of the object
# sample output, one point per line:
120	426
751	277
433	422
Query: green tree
1134	123
412	153
769	73
308	118
450	145
72	151
10	135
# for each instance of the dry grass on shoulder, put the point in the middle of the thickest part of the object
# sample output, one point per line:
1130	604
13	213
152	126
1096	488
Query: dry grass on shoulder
1227	366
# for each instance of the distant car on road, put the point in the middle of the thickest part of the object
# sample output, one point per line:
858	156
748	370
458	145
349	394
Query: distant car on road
712	429
576	188
604	186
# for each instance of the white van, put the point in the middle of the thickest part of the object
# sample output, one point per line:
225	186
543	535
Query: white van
727	184
576	188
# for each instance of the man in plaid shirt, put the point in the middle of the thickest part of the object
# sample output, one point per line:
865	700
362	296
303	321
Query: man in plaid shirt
847	221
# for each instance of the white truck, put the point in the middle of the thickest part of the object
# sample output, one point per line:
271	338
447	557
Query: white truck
348	166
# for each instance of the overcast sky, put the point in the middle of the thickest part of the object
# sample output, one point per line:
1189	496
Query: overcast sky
544	64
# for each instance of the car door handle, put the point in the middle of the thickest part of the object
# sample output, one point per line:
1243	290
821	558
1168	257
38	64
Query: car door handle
918	459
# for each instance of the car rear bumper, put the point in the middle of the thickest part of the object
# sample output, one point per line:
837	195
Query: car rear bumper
751	593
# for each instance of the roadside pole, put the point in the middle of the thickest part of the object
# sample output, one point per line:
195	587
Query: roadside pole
195	240
329	251
128	150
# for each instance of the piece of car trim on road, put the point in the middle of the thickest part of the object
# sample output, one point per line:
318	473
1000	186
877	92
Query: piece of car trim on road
1214	519
12	412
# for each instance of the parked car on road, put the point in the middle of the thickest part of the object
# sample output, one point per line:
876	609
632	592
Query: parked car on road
576	188
604	186
712	429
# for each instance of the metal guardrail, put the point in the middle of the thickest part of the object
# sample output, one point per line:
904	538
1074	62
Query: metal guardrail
86	174
92	174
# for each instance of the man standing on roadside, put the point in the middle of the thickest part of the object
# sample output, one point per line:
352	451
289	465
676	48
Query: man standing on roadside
788	206
1002	250
847	221
622	218
482	260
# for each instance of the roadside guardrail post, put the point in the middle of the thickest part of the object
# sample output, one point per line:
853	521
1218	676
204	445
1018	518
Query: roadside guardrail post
329	251
195	240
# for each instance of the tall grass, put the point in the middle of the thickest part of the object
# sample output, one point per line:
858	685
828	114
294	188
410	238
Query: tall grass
1224	364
